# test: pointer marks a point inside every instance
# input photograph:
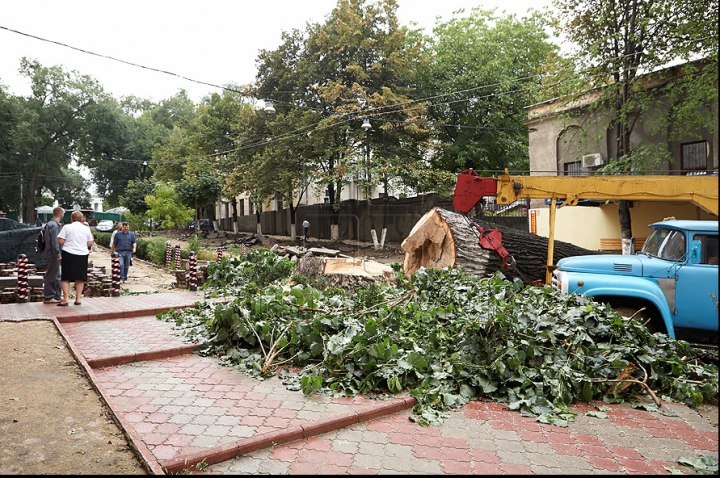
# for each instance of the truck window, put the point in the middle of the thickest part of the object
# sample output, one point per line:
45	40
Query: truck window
674	246
709	248
666	244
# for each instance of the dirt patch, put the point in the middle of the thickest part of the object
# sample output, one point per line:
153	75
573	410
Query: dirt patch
52	420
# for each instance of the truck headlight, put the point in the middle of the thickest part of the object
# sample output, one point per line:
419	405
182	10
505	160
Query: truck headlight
560	281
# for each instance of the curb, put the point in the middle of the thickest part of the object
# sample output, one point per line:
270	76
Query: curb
266	440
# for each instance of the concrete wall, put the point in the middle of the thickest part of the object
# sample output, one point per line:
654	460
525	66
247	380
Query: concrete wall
585	226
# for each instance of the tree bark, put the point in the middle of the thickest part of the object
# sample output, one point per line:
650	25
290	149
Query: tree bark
443	238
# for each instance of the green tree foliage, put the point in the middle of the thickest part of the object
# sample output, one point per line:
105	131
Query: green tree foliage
69	188
619	41
43	128
205	134
199	189
120	145
357	64
483	69
165	205
134	198
444	337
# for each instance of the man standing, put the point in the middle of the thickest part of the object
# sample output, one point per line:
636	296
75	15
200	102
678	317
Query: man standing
38	222
53	256
306	228
125	243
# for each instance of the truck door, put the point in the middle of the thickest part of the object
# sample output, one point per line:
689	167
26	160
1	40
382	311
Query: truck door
696	289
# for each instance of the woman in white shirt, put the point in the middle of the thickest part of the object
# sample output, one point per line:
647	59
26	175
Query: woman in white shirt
75	239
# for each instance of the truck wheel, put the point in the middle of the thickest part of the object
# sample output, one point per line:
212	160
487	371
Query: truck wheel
641	316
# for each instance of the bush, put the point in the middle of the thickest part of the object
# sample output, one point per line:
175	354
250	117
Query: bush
154	249
102	238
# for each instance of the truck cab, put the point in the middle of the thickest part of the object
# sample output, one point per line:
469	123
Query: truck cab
671	285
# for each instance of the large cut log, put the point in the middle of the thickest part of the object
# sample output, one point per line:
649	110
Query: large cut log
443	238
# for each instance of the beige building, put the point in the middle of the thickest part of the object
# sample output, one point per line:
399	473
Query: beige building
565	139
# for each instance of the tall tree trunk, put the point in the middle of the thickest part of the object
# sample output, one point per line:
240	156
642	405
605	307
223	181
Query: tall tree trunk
29	214
293	212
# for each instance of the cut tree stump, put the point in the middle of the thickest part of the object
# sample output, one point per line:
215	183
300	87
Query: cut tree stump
443	238
345	272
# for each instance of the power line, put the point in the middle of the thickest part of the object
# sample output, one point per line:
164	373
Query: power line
127	62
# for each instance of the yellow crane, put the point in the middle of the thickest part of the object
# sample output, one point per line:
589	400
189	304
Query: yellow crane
471	188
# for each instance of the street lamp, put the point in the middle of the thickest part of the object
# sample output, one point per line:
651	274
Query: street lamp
269	109
367	127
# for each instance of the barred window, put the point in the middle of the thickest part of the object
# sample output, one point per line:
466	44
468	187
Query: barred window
694	156
573	169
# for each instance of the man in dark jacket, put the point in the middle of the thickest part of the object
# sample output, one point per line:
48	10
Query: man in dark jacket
52	256
125	244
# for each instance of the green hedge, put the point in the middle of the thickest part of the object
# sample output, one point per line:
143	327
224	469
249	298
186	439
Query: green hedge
152	249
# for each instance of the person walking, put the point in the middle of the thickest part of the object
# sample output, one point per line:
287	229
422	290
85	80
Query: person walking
117	229
52	256
306	228
75	239
125	243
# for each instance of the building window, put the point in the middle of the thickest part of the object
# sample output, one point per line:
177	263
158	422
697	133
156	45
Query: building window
573	169
694	156
242	207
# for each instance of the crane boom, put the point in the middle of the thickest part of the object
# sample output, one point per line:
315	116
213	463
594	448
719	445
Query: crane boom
700	190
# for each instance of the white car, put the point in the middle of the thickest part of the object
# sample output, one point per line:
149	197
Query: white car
106	225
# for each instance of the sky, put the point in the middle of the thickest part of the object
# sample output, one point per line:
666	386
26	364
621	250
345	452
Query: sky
208	41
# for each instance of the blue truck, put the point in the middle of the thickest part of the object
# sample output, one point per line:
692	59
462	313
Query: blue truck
671	285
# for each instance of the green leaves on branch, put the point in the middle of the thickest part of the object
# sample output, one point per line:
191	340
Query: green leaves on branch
446	339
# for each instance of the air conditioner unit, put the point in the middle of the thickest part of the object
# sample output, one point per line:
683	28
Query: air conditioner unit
592	160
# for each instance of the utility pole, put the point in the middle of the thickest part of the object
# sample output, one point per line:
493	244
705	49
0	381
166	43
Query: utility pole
20	210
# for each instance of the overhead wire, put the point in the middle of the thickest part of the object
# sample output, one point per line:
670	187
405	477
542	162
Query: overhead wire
373	111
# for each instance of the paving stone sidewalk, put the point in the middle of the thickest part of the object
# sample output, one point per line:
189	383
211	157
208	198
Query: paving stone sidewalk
180	409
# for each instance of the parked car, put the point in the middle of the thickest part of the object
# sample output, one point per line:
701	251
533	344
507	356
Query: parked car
106	225
205	225
152	225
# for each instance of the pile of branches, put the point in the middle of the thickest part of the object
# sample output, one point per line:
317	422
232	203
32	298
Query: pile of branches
446	338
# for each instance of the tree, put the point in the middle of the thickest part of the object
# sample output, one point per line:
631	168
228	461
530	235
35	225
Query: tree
618	42
122	137
69	188
45	126
357	64
135	194
199	188
483	69
166	205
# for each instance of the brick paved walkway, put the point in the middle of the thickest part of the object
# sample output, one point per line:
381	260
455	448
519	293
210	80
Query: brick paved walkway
179	408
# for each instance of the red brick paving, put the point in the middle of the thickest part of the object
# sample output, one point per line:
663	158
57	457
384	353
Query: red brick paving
184	406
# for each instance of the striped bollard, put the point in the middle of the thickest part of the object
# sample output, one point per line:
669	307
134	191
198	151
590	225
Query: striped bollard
192	264
177	257
22	280
115	274
219	254
168	254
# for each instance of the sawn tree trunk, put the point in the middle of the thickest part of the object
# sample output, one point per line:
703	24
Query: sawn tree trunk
443	238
